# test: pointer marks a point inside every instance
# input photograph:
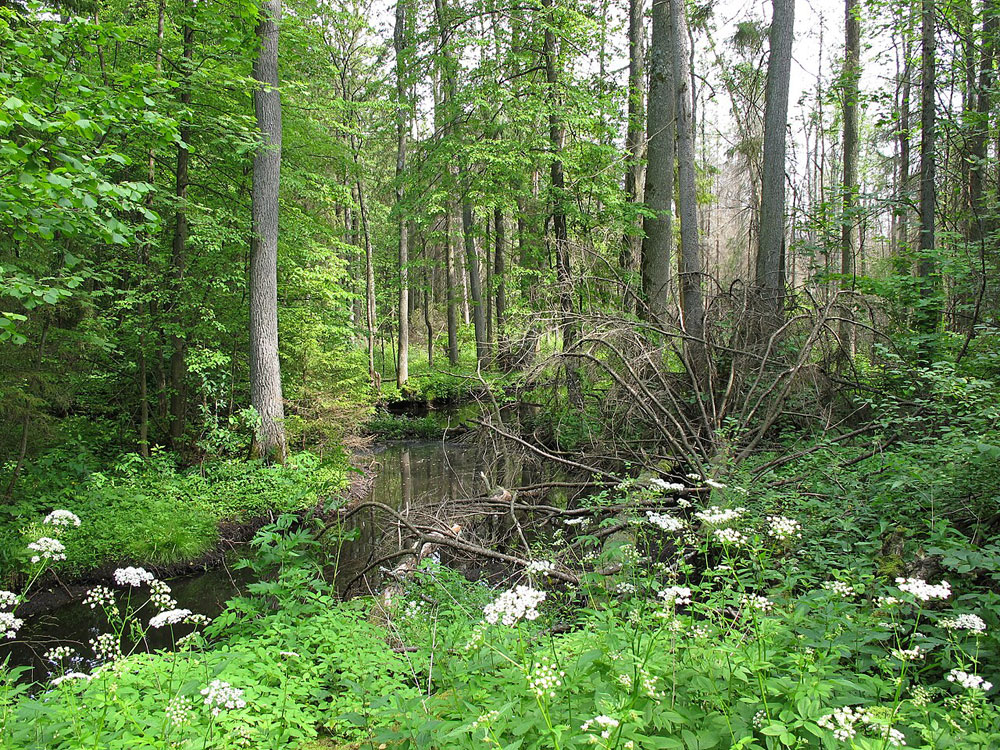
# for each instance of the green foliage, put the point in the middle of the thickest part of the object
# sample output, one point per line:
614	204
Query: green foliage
152	511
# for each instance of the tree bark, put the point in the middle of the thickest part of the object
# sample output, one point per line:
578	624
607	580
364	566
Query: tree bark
475	283
178	345
692	305
500	279
849	221
769	277
928	310
402	133
659	192
632	240
265	368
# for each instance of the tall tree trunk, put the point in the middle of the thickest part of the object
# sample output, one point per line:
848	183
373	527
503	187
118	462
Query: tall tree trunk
769	278
903	199
144	261
560	235
475	282
178	345
632	240
449	255
977	143
659	192
692	305
402	132
265	368
849	220
500	280
928	313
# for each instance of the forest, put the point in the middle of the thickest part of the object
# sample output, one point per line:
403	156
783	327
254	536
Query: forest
528	374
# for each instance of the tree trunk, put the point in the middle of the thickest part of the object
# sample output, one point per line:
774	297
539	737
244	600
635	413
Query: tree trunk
632	240
692	305
560	236
265	369
848	222
402	132
660	135
178	346
475	283
449	254
928	310
769	278
500	280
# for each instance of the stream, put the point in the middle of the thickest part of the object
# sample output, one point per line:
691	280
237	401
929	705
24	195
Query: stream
417	474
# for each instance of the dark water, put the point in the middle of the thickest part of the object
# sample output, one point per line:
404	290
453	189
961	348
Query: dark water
420	479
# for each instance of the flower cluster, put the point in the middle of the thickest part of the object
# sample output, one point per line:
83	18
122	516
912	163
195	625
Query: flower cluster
908	654
545	678
676	595
922	590
715	485
514	605
9	599
666	486
543	567
72	676
47	548
664	521
9	625
132	576
486	719
62	518
107	647
760	603
221	695
784	529
730	536
170	617
844	723
969	681
59	653
603	724
716	516
178	710
840	588
580	521
100	596
972	623
625	588
160	595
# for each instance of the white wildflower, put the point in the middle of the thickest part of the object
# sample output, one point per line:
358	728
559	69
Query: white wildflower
170	617
160	595
908	654
683	502
664	521
715	485
9	599
71	676
179	709
107	647
514	605
694	477
676	595
541	567
783	528
62	518
971	622
603	724
730	536
840	588
133	576
969	681
100	596
47	548
718	516
580	521
221	695
760	603
9	625
922	590
666	486
59	653
625	588
545	678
